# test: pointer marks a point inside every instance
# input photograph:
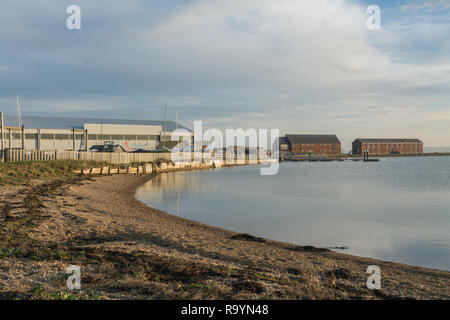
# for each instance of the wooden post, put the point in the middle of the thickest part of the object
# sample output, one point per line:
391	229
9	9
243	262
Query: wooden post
23	137
39	139
86	140
9	147
1	129
2	150
73	139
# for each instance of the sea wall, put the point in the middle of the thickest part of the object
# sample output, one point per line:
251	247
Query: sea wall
149	168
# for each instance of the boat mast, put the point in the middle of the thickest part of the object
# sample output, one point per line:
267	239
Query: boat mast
176	122
19	114
101	129
165	115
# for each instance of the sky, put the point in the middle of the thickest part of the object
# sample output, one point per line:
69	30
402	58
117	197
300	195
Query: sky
296	65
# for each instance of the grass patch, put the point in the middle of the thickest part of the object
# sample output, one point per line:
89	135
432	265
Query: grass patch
61	255
140	275
10	252
38	253
161	160
67	296
38	292
195	286
15	173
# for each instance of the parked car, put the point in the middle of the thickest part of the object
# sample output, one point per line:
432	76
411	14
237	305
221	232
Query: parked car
97	148
107	147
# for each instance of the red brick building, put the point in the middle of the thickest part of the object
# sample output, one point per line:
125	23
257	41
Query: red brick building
314	143
387	146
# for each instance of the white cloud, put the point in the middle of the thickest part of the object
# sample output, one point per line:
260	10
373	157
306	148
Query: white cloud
299	65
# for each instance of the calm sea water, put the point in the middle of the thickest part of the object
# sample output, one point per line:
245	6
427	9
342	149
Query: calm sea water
397	209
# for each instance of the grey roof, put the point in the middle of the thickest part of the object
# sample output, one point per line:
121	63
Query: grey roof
370	140
34	122
312	138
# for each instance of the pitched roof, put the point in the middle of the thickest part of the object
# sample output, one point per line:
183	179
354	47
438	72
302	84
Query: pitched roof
283	140
312	138
35	122
387	140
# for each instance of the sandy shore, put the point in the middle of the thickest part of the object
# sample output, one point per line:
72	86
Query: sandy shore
128	250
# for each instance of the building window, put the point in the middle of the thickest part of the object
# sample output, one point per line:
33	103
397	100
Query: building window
47	136
30	135
62	136
103	137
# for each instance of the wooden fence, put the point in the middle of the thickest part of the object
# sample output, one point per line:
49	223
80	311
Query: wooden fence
112	157
17	155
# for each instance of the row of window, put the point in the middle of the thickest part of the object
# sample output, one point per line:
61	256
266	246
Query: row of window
316	144
51	136
123	137
391	146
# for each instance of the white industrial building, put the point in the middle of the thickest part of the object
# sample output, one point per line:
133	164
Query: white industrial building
48	133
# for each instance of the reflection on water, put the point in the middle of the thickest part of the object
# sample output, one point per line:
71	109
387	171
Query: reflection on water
397	209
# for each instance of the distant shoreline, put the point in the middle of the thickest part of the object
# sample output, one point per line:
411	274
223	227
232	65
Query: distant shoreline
438	154
344	155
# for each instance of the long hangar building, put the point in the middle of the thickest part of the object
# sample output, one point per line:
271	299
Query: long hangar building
51	133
